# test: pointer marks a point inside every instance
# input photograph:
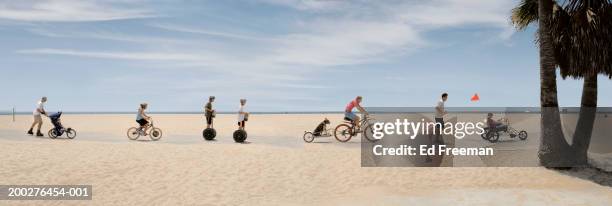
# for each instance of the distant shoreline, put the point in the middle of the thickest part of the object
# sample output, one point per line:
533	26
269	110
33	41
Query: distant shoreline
373	110
29	113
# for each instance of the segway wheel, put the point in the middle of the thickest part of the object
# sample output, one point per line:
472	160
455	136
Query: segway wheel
209	134
240	136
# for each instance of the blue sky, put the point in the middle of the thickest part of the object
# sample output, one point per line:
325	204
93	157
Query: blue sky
282	55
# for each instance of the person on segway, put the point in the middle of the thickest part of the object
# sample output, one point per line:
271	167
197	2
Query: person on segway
209	112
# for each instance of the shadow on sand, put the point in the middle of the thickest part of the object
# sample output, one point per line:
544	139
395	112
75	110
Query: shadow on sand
589	173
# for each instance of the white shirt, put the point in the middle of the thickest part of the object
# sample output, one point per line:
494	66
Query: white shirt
440	109
39	107
241	109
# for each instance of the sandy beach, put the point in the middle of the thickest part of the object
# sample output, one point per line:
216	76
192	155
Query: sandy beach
275	168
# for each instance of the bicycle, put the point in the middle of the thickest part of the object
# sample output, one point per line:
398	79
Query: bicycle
135	132
347	130
492	135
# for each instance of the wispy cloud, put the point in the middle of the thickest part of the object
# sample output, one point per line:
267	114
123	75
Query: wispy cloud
107	35
316	5
187	29
71	10
359	32
276	62
421	16
143	56
346	42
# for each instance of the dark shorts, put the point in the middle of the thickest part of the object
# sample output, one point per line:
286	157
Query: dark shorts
209	119
142	122
439	128
241	123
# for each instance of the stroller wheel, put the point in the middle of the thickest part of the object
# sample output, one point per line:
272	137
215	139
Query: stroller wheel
71	133
523	135
52	134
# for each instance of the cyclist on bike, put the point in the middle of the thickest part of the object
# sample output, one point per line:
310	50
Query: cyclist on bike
142	118
498	125
348	111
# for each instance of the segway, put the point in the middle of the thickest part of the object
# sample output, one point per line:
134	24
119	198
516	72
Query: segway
240	136
209	133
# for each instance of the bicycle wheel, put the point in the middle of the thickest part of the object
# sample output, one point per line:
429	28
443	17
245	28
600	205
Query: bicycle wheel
484	134
493	137
522	135
155	134
71	133
133	133
308	137
343	133
368	133
52	134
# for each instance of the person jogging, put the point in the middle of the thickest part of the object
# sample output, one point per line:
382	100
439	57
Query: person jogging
38	112
439	117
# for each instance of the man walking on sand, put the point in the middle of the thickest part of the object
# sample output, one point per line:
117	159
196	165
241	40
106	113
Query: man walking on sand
439	117
40	110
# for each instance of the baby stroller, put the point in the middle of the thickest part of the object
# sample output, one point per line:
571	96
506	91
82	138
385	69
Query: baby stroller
320	131
58	129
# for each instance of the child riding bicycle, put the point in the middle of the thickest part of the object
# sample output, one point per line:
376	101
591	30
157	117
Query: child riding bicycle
142	118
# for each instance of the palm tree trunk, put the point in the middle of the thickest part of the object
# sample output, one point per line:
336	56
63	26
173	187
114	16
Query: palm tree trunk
586	119
554	150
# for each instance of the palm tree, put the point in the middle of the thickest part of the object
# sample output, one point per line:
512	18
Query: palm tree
578	37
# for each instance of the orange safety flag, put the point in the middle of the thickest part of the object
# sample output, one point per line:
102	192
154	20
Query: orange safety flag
475	98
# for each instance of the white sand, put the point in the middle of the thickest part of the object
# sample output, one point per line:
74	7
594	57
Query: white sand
194	172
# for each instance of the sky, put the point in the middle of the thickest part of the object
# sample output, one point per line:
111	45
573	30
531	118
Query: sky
281	55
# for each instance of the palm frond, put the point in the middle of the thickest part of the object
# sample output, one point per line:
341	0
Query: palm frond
582	32
525	14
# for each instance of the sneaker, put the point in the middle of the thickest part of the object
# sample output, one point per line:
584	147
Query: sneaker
38	134
30	132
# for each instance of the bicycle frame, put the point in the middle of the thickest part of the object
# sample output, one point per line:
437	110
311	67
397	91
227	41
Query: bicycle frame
148	129
363	122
